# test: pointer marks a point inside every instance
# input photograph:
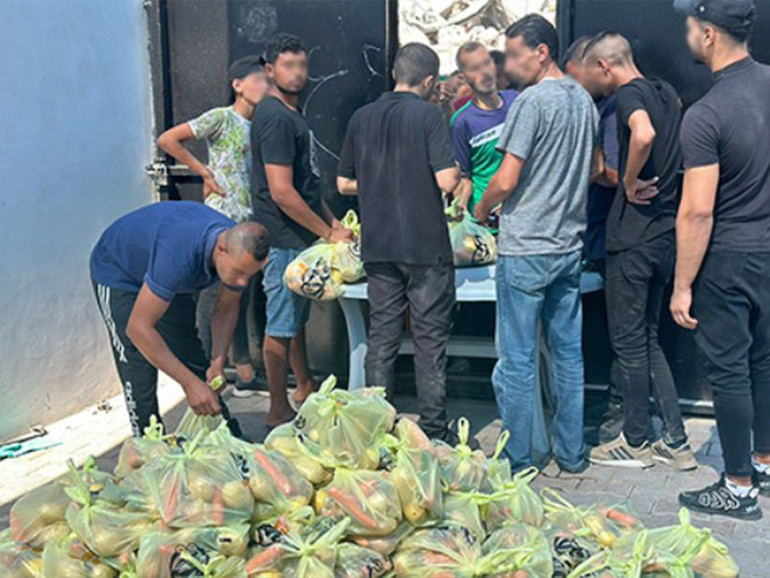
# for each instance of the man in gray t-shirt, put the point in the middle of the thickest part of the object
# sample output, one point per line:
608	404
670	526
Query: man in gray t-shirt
548	140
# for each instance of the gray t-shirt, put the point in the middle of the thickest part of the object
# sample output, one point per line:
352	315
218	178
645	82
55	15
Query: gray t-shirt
553	126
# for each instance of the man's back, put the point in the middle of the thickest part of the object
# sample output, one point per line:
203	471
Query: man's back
552	126
731	126
393	148
628	224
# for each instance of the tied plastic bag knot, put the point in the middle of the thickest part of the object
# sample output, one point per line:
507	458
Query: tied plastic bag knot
515	501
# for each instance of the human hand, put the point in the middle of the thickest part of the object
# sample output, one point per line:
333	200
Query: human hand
341	236
202	399
210	187
640	192
216	369
481	213
681	302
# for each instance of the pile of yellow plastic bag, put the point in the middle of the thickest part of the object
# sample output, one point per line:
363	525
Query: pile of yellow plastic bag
320	271
346	490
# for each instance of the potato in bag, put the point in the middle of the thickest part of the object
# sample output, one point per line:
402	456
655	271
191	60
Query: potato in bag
287	441
136	452
17	560
312	274
514	502
356	562
472	244
462	469
277	485
445	551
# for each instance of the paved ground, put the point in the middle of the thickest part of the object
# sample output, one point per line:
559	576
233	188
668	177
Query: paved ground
652	493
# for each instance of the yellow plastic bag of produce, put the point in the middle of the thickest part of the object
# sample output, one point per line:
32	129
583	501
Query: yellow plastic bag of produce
498	469
464	508
600	524
415	473
104	526
192	424
18	560
515	501
347	256
446	551
286	440
344	428
385	545
462	469
367	498
201	486
711	557
68	558
569	550
135	452
472	244
216	567
312	274
308	554
40	515
277	485
518	550
356	562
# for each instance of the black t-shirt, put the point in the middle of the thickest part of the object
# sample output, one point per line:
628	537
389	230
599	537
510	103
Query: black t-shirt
281	136
731	126
392	148
628	224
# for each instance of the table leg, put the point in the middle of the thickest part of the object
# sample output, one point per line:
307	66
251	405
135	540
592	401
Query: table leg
353	310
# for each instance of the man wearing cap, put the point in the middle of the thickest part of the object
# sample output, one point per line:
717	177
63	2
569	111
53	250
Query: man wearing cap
722	280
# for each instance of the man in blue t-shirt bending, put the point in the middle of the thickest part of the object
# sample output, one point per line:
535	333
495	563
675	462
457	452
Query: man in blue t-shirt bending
146	269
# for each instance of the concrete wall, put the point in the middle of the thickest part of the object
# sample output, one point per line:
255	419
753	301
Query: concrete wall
75	136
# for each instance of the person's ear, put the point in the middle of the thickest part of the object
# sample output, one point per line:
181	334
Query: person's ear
236	86
542	53
427	82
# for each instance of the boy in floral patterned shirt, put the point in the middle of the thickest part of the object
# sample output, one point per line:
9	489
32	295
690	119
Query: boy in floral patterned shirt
226	188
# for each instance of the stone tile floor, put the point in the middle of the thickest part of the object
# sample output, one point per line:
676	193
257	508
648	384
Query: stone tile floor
652	492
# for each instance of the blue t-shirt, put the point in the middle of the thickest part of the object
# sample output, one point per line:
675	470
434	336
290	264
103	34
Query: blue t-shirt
168	245
600	197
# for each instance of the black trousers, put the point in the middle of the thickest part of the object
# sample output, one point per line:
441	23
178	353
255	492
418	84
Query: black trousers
429	292
636	282
731	301
137	375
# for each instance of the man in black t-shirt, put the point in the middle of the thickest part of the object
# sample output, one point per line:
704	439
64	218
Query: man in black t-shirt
640	248
287	201
398	158
722	282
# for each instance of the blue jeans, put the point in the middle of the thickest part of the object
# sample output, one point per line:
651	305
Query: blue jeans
531	290
287	312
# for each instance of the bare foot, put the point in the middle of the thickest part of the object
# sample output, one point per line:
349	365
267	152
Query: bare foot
245	372
279	416
303	390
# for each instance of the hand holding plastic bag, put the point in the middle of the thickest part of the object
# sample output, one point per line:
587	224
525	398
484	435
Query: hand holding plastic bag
192	424
472	244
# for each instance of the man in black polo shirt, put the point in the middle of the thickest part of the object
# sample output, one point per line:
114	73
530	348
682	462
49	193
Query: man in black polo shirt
722	280
398	158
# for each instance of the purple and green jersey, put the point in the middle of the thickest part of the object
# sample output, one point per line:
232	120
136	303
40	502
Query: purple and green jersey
474	138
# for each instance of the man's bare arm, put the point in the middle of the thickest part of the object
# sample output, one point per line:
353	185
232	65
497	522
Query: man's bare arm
347	186
694	224
223	322
172	142
448	179
500	186
640	143
141	330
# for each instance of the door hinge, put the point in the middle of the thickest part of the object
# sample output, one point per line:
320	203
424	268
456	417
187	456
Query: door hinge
158	172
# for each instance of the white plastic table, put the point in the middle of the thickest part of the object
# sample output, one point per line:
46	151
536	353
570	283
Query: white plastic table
473	285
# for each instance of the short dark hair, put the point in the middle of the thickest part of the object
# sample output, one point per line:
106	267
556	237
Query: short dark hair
283	42
467	48
250	237
536	30
241	68
414	63
738	34
576	51
498	56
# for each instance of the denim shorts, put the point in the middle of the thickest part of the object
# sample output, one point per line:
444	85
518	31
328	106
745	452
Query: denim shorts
287	312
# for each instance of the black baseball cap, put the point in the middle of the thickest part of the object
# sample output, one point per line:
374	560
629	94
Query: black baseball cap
728	14
242	67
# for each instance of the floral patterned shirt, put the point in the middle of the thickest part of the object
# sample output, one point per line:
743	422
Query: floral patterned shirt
227	137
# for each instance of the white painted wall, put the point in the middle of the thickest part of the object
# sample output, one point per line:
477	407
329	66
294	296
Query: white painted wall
75	136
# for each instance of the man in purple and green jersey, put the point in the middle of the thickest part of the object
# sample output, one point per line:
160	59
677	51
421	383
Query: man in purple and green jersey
477	125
